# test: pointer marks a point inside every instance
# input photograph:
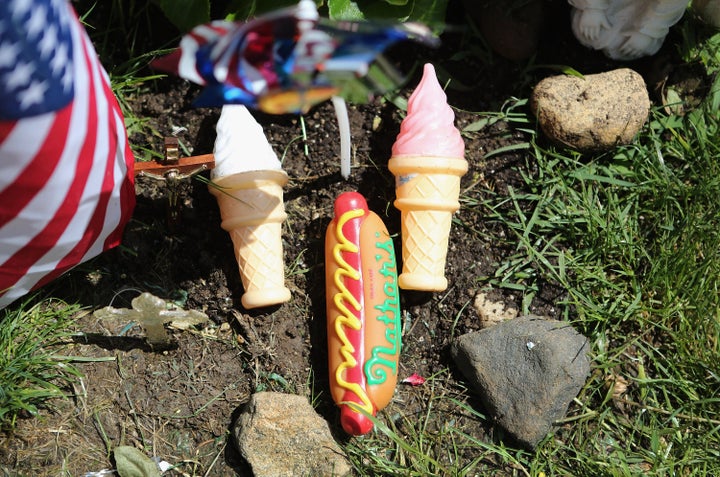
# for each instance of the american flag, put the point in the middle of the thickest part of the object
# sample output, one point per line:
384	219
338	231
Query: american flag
66	169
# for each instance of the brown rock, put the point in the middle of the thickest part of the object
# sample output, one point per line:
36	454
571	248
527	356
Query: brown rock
594	112
282	435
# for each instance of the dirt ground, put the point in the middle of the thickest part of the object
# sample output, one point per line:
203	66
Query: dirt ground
179	404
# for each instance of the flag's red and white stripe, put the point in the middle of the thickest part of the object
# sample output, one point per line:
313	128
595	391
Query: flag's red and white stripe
66	187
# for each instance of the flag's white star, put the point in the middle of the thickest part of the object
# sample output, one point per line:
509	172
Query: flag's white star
37	21
20	76
48	42
60	59
33	94
67	79
59	12
20	8
8	54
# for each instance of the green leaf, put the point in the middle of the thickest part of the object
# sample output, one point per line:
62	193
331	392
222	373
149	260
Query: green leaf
429	12
185	14
344	10
480	124
714	96
130	462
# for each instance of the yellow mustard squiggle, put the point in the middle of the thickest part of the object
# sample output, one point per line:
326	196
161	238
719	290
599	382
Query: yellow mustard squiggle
347	318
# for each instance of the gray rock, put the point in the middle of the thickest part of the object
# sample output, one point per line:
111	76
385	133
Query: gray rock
526	371
595	112
282	435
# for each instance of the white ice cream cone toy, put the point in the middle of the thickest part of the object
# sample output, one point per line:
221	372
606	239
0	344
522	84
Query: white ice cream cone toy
248	184
428	161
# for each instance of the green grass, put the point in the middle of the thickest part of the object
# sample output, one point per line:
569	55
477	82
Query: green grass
633	236
439	440
31	373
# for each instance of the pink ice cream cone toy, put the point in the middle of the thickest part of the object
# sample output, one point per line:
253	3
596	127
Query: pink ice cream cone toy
428	160
247	182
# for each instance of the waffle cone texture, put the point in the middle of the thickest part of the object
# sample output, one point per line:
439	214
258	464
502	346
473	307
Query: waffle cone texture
427	190
252	211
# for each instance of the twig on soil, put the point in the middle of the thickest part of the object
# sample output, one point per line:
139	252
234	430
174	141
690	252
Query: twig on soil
217	456
665	412
103	435
679	415
133	411
207	404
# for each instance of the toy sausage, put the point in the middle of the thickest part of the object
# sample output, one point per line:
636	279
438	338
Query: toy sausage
363	312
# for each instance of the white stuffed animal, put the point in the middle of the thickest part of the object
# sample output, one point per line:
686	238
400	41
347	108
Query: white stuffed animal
625	29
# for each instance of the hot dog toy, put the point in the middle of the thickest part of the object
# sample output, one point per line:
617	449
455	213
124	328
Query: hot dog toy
363	312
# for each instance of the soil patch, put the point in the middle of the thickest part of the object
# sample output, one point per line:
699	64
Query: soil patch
179	404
